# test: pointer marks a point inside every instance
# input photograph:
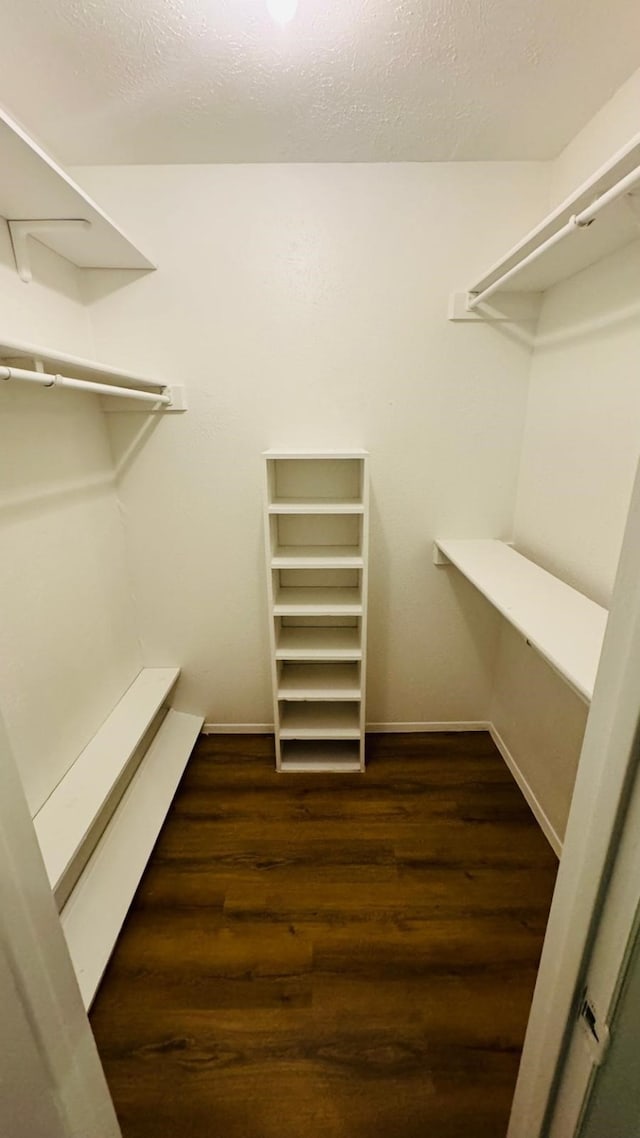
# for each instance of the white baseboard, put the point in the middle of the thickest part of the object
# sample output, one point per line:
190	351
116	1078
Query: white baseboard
543	821
406	728
237	728
376	728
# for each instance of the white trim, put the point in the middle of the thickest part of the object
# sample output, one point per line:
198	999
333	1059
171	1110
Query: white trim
426	728
538	811
41	1002
373	728
237	729
608	764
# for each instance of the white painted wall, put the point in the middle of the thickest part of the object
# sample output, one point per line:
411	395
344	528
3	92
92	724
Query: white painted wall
580	450
69	648
609	130
306	306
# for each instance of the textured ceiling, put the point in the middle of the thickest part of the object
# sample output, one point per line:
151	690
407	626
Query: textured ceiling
128	81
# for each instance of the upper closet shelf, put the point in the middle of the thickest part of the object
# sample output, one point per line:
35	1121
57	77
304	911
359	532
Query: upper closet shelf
565	627
53	359
601	216
86	375
318	454
33	188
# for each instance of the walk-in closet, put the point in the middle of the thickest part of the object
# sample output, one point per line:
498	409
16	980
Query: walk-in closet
320	532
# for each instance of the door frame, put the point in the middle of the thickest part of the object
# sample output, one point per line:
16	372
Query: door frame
46	1035
605	778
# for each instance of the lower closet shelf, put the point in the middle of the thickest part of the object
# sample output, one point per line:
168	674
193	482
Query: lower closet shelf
70	822
314	755
98	905
311	720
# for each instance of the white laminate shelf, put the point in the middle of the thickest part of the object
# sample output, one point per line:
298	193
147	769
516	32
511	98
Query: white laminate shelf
69	823
318	644
55	360
319	681
94	914
325	455
320	721
563	625
317	557
34	188
329	601
616	225
316	506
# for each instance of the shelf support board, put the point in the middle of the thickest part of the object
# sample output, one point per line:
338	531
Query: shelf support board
20	231
511	308
177	393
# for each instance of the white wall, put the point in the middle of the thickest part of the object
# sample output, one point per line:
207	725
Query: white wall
66	617
306	306
608	131
580	450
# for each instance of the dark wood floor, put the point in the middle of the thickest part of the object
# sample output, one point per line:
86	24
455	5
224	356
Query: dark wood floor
338	956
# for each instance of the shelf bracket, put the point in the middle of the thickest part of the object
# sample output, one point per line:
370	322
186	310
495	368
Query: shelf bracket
508	307
439	558
176	391
21	230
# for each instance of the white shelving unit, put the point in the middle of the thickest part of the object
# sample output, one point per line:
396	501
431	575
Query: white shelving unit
563	625
317	536
34	189
601	216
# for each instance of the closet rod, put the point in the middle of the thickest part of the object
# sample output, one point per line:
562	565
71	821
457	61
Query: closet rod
578	221
46	380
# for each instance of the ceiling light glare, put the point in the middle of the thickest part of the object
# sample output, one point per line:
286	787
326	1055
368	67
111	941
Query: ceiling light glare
282	11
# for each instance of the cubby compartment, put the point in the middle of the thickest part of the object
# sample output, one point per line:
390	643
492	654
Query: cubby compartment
307	681
315	484
316	528
317	755
317	592
317	719
317	638
323	540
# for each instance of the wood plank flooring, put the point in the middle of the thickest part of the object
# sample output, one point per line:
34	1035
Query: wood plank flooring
330	956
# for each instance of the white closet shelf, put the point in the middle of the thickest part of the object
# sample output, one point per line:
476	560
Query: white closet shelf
318	644
311	454
316	506
317	557
615	225
563	625
319	681
318	755
70	822
329	601
320	721
97	907
34	188
74	366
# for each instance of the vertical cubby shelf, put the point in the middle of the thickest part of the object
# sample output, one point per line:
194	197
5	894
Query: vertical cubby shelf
317	539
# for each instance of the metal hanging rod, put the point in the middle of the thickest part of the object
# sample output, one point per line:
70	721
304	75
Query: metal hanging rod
578	221
45	379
